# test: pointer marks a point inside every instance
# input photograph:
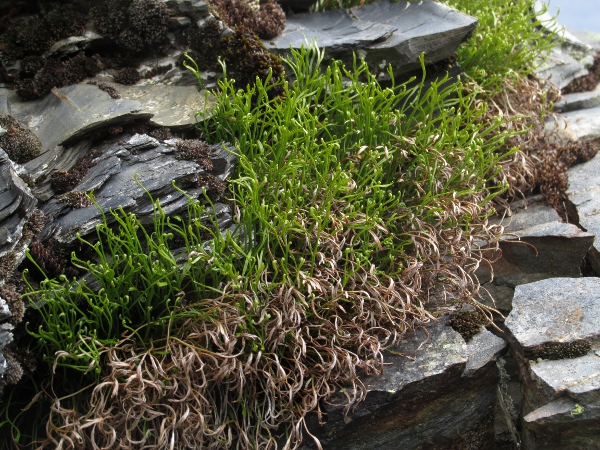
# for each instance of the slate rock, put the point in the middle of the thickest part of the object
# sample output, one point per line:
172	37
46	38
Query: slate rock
73	45
445	397
170	106
562	424
381	33
5	313
556	310
543	251
590	38
69	114
536	246
569	58
563	403
584	194
574	126
194	9
126	164
16	205
579	100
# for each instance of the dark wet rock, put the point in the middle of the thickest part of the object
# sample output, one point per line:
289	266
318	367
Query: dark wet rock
127	168
562	424
583	195
445	396
171	106
16	205
381	33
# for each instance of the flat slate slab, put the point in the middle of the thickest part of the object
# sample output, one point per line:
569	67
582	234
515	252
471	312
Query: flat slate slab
556	310
68	114
381	33
170	106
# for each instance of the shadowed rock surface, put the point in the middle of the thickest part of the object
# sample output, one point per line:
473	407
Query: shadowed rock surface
437	390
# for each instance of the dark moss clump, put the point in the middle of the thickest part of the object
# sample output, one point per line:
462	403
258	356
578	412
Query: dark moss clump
468	323
195	150
75	199
205	43
247	58
562	350
129	75
19	142
134	25
111	91
34	224
52	258
58	73
36	34
8	263
266	20
215	189
15	303
63	181
162	134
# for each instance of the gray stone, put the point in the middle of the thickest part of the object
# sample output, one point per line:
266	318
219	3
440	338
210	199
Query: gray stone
579	100
16	205
429	393
578	378
381	33
575	126
482	349
564	64
569	59
170	106
179	22
5	313
584	194
565	412
556	310
526	214
195	9
73	45
590	38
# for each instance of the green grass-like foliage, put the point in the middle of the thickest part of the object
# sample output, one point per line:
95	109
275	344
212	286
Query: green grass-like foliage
356	206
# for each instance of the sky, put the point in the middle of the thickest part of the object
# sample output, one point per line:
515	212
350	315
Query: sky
577	14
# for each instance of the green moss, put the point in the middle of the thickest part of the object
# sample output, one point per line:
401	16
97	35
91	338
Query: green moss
19	142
